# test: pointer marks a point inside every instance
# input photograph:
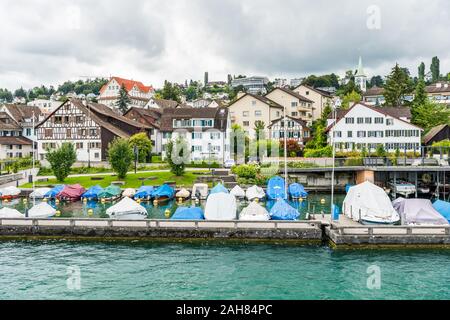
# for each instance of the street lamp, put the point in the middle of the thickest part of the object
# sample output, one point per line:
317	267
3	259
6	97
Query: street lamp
336	105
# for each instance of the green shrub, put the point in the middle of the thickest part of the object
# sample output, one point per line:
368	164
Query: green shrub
61	160
246	171
120	156
353	162
319	153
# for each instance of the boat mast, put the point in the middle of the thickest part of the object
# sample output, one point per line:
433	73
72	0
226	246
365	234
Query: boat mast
336	105
285	155
34	155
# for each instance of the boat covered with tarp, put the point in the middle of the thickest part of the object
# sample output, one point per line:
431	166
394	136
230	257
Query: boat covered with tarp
165	192
200	191
348	186
39	193
254	212
54	191
283	211
110	193
127	209
276	188
144	193
221	207
92	193
41	211
418	212
9	213
443	207
297	190
369	204
184	213
71	193
255	192
10	193
238	192
129	192
183	194
218	189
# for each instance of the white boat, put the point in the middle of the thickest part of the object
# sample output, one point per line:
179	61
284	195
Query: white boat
255	192
39	193
41	211
418	212
254	212
130	192
238	192
127	209
8	213
200	191
221	207
369	204
10	192
402	187
183	194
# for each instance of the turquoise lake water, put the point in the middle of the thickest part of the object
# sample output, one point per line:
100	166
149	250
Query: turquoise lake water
38	270
313	205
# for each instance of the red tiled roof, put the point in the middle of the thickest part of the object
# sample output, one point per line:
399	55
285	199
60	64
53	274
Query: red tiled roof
129	84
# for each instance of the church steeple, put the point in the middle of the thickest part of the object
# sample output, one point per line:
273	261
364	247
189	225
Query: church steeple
360	76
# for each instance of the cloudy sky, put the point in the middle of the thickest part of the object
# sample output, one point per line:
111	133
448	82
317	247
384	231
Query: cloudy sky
49	41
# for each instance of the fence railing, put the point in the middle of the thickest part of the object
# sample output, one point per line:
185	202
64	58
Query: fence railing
391	230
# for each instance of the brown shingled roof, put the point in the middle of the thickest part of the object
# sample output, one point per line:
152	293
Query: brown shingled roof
218	114
292	93
15	141
21	112
433	132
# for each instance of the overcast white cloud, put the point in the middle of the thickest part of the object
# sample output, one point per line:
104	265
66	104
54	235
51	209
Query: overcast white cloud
49	41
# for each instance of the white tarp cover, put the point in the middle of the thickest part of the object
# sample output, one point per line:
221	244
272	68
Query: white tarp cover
10	191
8	213
418	212
221	206
254	212
183	193
238	192
202	188
255	192
129	192
126	206
39	193
369	202
42	210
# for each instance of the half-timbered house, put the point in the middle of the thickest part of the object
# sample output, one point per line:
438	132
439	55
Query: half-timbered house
89	126
296	129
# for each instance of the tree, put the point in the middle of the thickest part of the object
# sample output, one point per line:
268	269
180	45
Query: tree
124	100
120	156
435	69
398	85
422	71
420	97
20	93
350	98
380	152
177	156
171	92
61	160
376	81
5	95
144	145
430	114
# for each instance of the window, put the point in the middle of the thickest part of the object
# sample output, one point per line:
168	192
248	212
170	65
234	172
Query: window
379	120
349	120
349	134
294	114
28	132
79	145
79	119
278	113
69	133
246	123
245	114
307	93
197	135
57	120
167	135
368	120
94	145
254	103
196	148
96	155
215	135
48	133
361	134
360	120
294	104
389	122
337	134
258	113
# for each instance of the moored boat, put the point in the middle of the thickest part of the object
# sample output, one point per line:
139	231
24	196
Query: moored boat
41	211
9	193
184	213
443	207
54	192
71	193
144	193
418	212
129	192
219	188
127	209
402	187
9	213
276	188
283	211
163	193
254	212
92	193
39	193
183	194
220	207
255	192
297	191
200	191
238	192
110	193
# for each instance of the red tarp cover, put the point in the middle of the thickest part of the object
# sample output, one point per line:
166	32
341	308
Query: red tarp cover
73	191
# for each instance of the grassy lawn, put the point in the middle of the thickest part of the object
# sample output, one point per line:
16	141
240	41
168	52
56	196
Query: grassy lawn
131	180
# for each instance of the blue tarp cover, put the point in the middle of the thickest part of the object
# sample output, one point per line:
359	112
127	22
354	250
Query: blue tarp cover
183	213
443	207
163	191
347	187
283	211
144	192
52	193
297	190
275	188
92	192
218	189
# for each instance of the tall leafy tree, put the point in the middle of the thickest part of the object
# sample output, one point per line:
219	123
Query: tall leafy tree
398	84
422	71
177	156
376	81
124	100
171	92
120	156
20	93
61	160
5	95
350	98
435	69
143	144
431	114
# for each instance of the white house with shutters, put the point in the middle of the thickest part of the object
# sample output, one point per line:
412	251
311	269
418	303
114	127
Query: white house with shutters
364	126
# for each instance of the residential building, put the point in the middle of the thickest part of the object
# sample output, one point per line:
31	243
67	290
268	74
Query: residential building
252	85
46	106
280	83
364	126
206	131
249	109
138	93
297	106
161	103
23	116
12	143
296	129
150	117
437	134
294	83
89	126
319	98
374	96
